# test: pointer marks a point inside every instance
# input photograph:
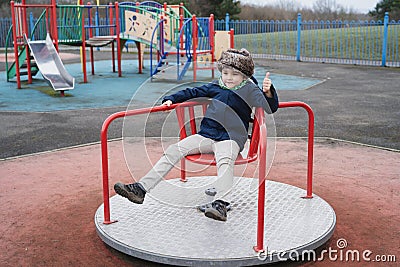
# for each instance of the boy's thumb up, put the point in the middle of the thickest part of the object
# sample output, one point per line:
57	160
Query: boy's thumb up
267	85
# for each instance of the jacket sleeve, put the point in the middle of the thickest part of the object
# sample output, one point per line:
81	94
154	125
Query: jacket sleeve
259	99
189	93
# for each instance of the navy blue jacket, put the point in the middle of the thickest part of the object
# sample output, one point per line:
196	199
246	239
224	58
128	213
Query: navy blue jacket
229	113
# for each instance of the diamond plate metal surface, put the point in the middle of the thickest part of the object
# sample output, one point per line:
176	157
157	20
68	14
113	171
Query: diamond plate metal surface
181	235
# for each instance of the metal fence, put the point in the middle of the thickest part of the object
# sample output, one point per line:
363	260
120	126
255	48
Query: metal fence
5	25
375	43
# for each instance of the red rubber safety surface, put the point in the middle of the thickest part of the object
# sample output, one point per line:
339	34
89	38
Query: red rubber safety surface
48	202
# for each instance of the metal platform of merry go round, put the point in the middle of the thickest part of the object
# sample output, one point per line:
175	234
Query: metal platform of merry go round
268	221
183	236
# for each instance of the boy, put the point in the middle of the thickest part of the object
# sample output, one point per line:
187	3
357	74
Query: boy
223	129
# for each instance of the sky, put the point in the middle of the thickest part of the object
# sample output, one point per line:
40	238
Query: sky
362	6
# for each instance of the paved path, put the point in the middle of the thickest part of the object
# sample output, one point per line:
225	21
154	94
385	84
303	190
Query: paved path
360	104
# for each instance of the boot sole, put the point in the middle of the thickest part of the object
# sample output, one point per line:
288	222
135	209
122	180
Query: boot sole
213	215
202	208
120	190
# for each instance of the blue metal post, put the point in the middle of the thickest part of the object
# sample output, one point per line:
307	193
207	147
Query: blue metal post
385	37
227	22
97	24
298	37
31	24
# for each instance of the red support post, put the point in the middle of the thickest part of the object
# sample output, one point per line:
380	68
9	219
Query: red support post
25	33
53	16
180	28
104	164
211	35
162	35
180	114
90	36
183	170
24	22
194	44
83	42
181	18
15	42
192	120
232	39
261	182
111	17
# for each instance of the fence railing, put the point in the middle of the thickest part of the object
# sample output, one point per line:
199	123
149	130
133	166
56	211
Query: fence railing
375	43
5	24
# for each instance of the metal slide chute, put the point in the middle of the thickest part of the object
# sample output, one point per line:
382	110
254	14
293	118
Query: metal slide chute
50	64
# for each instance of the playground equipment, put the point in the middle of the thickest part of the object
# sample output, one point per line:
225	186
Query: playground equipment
288	222
50	65
73	28
178	37
22	53
169	30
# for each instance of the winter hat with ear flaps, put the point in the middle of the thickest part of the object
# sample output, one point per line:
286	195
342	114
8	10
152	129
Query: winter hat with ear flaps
240	60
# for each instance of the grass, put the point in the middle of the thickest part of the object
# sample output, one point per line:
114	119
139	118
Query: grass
363	43
50	92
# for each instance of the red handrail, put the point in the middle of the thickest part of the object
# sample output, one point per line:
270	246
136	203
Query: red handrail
262	176
310	156
104	148
262	171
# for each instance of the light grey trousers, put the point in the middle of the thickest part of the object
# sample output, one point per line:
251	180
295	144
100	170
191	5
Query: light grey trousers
225	153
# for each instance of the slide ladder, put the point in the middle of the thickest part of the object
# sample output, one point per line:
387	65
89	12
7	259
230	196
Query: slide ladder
23	63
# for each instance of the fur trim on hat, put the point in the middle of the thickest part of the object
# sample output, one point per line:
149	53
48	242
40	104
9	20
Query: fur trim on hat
240	60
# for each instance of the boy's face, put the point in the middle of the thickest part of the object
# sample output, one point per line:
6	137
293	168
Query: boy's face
232	77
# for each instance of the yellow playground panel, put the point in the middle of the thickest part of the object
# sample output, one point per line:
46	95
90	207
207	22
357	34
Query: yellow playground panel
140	26
223	41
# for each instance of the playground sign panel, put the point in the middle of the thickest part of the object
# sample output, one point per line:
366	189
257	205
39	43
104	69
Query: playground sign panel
140	26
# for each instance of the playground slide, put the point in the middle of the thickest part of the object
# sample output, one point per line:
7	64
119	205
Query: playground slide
50	64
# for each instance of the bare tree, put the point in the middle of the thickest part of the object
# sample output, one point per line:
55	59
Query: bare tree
328	9
288	5
325	6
